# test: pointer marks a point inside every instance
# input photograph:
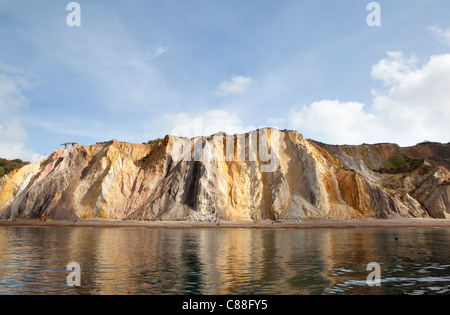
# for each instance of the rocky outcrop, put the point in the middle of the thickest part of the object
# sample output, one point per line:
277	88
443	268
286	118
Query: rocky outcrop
265	174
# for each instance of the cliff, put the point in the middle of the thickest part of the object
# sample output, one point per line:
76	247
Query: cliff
265	174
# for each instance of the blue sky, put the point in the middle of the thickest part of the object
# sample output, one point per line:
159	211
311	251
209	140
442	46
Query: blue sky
138	70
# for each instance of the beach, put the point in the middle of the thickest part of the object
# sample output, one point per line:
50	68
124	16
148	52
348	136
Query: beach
267	224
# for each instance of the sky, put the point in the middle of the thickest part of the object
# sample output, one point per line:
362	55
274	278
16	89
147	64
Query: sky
139	70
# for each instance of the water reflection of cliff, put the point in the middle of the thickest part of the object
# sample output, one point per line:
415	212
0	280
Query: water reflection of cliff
139	261
143	261
208	261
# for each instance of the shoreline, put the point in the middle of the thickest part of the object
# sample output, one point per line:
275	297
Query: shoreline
327	224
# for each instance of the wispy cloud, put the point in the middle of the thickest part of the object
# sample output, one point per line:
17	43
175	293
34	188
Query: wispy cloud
13	84
237	85
13	142
156	52
442	35
124	75
102	59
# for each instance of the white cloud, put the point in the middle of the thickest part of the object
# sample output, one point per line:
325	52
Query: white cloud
237	85
338	122
417	107
12	83
395	69
442	35
12	134
203	124
12	142
156	52
413	106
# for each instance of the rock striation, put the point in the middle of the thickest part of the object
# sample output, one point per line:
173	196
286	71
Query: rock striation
262	175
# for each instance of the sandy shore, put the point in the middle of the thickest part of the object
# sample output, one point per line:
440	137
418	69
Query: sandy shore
391	223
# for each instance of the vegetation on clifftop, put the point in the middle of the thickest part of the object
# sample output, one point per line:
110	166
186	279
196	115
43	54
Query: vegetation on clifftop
7	166
155	141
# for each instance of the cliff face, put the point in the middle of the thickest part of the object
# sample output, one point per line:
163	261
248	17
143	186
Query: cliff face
265	174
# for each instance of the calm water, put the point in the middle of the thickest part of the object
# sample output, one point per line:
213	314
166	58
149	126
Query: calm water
144	261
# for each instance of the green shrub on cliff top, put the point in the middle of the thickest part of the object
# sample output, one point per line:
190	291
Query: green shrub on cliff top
156	141
7	166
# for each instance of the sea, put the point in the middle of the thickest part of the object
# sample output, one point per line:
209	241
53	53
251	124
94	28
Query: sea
142	261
